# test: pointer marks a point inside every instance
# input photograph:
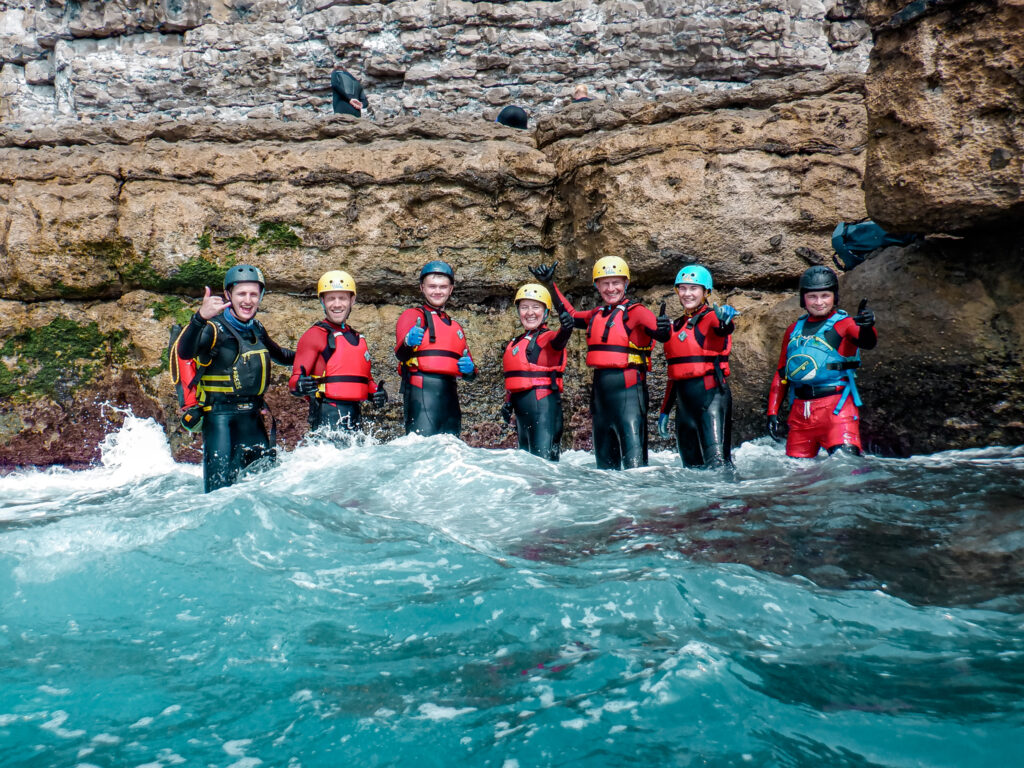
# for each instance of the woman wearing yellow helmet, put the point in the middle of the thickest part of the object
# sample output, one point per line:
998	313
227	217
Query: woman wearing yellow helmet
620	336
533	364
332	363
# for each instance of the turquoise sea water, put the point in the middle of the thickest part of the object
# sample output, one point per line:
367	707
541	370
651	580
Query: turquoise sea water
424	603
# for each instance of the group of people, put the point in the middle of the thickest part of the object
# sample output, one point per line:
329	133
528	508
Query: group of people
221	362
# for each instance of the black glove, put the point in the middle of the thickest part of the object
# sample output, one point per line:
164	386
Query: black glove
506	412
543	272
664	330
305	385
379	398
864	318
566	320
777	429
192	419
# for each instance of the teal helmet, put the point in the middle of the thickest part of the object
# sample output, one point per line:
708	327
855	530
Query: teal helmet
437	268
244	273
694	275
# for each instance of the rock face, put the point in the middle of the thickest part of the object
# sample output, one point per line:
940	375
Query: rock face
228	59
111	229
946	115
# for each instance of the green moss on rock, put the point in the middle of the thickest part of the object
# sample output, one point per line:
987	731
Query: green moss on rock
57	359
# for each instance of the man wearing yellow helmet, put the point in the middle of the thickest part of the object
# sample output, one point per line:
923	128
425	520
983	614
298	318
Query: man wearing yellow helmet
533	364
332	363
233	353
620	336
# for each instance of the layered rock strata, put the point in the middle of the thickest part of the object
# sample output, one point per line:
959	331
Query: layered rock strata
230	59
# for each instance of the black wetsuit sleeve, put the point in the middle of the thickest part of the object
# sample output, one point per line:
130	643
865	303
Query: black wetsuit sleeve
278	354
867	338
196	339
724	330
405	352
561	338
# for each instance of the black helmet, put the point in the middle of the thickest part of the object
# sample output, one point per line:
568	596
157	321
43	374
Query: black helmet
244	273
819	279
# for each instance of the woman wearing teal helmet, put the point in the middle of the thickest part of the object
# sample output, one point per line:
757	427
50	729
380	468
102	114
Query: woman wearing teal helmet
697	353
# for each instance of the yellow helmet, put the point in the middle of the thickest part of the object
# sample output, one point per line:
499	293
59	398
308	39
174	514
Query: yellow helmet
611	266
535	292
335	280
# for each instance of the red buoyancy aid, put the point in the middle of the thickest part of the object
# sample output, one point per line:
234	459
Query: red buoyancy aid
184	373
443	344
609	344
521	374
686	353
346	373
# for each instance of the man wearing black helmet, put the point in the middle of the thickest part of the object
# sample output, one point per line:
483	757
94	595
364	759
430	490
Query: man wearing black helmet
233	352
432	354
820	353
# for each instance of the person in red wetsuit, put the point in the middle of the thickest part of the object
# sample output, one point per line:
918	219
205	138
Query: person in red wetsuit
332	364
620	336
432	355
820	353
697	353
533	363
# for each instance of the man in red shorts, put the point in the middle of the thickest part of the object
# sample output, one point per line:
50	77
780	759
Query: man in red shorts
820	353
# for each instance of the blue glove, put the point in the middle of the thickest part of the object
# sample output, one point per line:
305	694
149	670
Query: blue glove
415	335
466	364
725	314
663	426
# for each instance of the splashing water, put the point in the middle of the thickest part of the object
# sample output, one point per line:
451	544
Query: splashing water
421	602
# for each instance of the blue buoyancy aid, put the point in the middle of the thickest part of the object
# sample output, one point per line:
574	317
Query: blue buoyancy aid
811	360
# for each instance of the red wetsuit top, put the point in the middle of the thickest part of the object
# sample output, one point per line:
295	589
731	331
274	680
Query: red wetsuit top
848	338
618	337
535	360
444	342
698	343
347	371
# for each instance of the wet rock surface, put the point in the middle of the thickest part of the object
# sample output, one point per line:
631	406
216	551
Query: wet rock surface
945	101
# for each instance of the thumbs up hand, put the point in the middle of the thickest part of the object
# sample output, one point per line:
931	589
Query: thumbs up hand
415	335
664	328
305	385
379	398
725	314
466	363
864	318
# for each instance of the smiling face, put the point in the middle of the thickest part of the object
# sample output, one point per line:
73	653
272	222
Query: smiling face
436	289
612	289
531	313
337	305
690	296
819	303
245	300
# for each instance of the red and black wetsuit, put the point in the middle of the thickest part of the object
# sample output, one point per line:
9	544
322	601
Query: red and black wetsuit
533	363
430	371
337	356
697	354
812	422
619	343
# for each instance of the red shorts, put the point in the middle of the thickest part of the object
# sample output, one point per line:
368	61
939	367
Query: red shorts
813	426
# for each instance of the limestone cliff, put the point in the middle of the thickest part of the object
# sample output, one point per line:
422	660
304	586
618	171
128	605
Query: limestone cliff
231	59
112	228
